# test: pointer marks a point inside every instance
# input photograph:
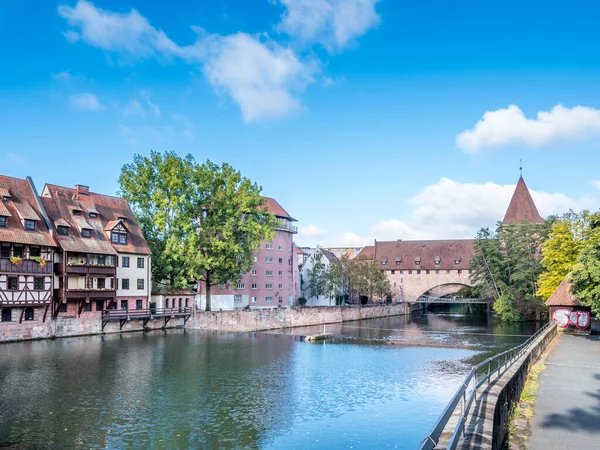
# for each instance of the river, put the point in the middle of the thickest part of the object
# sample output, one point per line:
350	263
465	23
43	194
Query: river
381	384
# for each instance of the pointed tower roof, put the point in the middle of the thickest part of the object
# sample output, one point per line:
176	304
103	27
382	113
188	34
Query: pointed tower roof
521	206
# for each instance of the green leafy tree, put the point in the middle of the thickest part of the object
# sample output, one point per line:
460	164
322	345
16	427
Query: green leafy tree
224	222
338	278
318	279
368	280
586	276
155	187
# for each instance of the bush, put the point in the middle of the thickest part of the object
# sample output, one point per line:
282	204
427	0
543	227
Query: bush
302	301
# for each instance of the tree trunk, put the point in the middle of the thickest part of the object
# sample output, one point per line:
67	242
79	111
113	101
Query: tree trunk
207	278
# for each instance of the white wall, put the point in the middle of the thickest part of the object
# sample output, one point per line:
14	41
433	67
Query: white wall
133	273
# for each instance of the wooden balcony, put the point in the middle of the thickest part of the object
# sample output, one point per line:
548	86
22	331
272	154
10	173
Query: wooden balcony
27	267
84	269
80	294
124	315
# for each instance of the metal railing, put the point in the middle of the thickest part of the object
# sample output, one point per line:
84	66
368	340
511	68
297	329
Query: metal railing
454	300
467	392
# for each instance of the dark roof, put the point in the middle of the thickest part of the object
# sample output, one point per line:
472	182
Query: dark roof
275	208
60	202
563	295
405	254
168	290
20	205
329	255
366	253
521	206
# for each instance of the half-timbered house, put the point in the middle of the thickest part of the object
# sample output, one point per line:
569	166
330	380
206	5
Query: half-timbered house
26	253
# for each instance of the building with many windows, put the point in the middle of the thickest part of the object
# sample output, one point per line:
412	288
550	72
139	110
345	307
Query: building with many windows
26	252
104	261
271	281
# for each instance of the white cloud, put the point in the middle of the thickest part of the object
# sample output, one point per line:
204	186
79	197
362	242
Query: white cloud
64	76
261	76
332	23
135	108
452	210
86	101
311	232
596	184
510	127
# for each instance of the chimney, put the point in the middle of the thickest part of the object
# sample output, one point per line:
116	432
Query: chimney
81	189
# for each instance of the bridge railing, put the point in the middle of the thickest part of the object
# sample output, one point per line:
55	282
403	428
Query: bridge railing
454	300
467	392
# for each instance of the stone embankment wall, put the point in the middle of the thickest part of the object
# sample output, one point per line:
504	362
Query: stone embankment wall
74	326
487	427
245	320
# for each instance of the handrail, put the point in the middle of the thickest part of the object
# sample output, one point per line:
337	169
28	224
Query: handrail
143	313
504	359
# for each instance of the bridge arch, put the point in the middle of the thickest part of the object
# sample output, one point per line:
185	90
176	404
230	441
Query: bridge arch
411	284
443	290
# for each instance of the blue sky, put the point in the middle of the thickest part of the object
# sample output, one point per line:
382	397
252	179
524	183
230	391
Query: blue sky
364	118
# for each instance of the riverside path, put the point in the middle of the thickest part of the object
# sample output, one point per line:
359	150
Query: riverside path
567	407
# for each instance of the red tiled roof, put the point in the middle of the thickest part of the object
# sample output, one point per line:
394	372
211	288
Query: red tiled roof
563	295
60	202
329	255
522	206
275	208
404	254
366	253
22	203
300	251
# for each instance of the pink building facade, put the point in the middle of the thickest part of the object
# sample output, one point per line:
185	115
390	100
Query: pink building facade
273	281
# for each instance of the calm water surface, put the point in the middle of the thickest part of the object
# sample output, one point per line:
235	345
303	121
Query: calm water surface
381	384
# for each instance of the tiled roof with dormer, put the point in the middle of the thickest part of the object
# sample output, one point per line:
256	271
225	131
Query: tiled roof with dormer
430	254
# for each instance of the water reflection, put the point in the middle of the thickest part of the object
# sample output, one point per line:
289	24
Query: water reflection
380	385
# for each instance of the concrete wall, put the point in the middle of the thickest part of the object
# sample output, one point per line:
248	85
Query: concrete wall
270	319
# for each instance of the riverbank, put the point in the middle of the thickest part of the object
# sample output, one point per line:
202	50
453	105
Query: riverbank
243	320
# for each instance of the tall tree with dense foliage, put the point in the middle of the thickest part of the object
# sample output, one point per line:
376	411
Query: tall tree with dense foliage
202	221
506	267
368	280
225	221
586	276
318	277
155	187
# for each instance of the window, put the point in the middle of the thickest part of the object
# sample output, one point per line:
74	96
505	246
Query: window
269	260
35	251
459	272
101	284
280	286
457	261
18	251
437	271
393	272
166	302
417	262
255	259
87	307
269	246
269	273
241	286
5	252
90	283
398	261
28	313
383	262
253	285
38	284
140	284
253	272
13	283
253	299
280	260
280	233
139	304
269	299
125	261
447	272
410	272
99	305
118	238
123	304
140	263
418	272
62	231
125	283
2	222
470	270
280	248
280	299
30	225
101	260
186	302
269	286
221	286
93	215
427	272
6	315
86	233
237	299
280	273
63	307
401	272
76	212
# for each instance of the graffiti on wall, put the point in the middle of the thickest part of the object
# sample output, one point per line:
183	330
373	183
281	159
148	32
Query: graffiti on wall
565	318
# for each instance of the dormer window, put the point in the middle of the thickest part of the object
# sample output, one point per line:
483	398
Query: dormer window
437	260
398	261
30	225
417	261
457	261
62	231
2	221
86	233
5	198
93	215
117	237
383	262
77	212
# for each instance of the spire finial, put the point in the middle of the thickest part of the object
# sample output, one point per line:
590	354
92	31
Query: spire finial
521	167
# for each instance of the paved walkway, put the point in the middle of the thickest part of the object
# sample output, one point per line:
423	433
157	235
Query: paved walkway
567	408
